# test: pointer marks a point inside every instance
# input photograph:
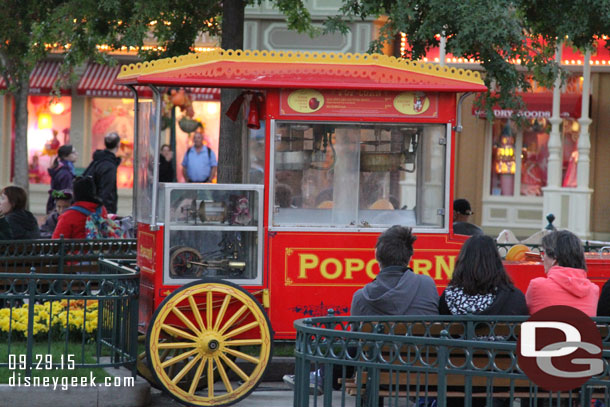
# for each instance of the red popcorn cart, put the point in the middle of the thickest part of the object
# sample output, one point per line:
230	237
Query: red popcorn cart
339	148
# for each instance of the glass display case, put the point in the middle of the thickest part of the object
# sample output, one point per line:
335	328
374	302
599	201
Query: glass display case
212	231
359	175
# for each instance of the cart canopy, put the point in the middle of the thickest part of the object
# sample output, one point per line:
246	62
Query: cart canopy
267	69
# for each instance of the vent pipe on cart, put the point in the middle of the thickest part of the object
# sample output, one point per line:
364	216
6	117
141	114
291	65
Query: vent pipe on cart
458	124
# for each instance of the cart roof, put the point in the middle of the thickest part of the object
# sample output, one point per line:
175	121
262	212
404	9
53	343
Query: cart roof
286	69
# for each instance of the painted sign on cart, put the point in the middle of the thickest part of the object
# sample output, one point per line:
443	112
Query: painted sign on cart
359	103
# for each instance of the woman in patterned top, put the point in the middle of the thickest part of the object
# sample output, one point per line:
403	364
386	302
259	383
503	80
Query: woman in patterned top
479	284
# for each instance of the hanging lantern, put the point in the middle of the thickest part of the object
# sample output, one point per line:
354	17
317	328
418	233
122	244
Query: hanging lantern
253	116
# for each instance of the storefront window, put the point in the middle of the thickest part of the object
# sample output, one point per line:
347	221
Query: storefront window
48	129
520	156
114	115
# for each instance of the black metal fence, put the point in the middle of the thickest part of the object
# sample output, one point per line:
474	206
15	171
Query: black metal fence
440	361
62	255
67	321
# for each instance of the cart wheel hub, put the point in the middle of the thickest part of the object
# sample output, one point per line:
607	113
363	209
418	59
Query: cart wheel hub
210	343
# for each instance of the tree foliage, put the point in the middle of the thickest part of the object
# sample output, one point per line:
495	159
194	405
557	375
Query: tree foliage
511	38
29	30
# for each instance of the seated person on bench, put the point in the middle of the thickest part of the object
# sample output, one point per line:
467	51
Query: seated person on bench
395	291
480	285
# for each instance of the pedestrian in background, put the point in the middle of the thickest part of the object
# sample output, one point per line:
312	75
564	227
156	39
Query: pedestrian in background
23	225
566	281
61	172
603	305
199	163
461	219
103	170
479	284
63	200
166	168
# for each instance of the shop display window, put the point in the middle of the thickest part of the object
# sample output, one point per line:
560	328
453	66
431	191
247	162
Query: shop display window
358	174
48	129
519	156
114	115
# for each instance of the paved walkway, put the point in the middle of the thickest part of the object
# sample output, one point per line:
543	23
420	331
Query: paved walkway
267	394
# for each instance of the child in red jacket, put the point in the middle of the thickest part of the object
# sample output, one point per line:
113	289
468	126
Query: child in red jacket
71	223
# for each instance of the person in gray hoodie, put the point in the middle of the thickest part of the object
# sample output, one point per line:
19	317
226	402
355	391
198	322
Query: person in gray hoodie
397	290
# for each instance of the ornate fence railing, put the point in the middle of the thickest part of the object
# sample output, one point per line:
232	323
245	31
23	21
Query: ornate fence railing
67	321
426	361
62	255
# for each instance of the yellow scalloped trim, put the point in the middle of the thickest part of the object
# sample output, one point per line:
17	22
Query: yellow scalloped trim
189	60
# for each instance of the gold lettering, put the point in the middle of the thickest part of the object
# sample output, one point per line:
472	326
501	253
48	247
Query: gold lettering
369	269
146	253
352	265
307	262
442	266
338	268
422	266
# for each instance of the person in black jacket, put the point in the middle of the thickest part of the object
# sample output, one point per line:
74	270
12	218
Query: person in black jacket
479	284
23	225
103	170
61	172
166	169
603	305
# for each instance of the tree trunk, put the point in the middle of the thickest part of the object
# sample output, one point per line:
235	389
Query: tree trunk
20	154
230	149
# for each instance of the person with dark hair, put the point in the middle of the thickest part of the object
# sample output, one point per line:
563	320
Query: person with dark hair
479	284
61	172
71	223
566	280
603	305
103	170
63	200
397	290
22	223
166	169
461	214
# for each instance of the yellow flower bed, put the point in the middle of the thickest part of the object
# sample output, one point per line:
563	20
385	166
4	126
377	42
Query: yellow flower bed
61	316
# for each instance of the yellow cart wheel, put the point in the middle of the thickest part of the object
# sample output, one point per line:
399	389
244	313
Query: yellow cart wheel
145	370
210	326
